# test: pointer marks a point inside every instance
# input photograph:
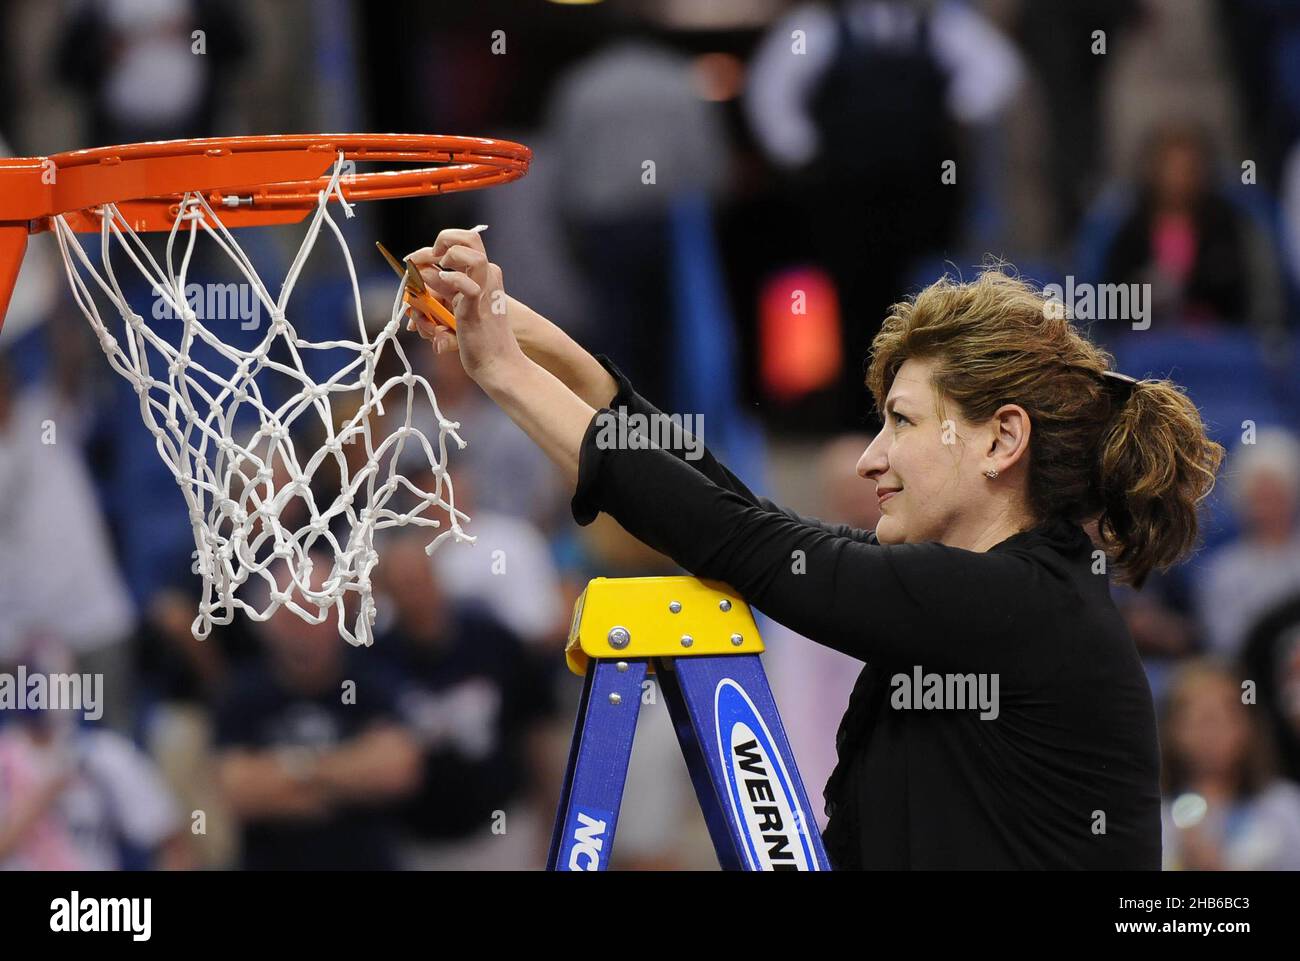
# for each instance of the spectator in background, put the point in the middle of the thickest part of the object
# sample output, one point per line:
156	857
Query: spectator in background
509	569
1289	200
859	103
80	798
180	678
632	103
1161	619
1224	807
140	65
312	756
509	495
1262	38
475	698
1183	237
1058	40
1271	658
58	575
535	248
1243	579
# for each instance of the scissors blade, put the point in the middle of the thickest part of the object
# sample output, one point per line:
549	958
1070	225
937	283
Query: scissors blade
392	261
414	282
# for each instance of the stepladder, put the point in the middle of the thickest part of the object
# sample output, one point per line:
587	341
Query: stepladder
700	641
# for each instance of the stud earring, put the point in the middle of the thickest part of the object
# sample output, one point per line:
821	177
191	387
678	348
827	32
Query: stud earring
990	474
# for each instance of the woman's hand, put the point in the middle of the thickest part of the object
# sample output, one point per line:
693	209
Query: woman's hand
545	390
488	320
542	341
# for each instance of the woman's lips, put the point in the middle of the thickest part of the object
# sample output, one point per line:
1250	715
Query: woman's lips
887	496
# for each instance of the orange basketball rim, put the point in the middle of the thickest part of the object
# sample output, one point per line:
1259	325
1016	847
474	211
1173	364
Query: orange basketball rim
251	181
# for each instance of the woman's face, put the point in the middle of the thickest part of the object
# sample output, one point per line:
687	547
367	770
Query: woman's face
1179	175
935	464
1269	505
1211	730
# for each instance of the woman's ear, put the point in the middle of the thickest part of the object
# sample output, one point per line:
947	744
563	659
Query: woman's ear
1011	430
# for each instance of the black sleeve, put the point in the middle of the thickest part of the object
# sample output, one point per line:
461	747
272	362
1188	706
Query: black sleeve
947	606
629	401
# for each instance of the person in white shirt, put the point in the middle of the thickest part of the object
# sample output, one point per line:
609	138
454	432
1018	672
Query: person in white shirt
1244	579
58	575
73	797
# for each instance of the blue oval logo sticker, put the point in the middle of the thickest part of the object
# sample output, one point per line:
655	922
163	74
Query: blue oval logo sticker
763	800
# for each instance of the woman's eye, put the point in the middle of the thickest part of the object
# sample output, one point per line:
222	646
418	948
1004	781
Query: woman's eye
899	417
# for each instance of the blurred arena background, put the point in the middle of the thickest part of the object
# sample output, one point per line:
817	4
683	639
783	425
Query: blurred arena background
1093	141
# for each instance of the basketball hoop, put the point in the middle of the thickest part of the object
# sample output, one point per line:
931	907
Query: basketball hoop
239	484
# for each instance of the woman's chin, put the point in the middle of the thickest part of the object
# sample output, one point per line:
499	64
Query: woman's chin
888	531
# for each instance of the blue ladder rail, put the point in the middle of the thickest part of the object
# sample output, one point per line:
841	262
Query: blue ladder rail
726	720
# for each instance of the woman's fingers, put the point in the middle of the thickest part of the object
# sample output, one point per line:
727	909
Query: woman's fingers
451	237
468	261
440	289
442	338
461	284
421	325
465	300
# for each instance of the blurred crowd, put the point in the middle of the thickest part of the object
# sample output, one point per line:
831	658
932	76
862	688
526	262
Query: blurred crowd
698	168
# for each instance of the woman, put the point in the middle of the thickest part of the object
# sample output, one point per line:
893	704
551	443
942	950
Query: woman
1228	809
1001	437
1184	238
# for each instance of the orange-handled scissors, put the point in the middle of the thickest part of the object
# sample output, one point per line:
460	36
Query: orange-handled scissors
417	295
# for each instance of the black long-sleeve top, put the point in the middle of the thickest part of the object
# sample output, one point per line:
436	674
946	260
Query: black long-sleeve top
1066	775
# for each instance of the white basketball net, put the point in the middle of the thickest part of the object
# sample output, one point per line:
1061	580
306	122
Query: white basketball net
230	483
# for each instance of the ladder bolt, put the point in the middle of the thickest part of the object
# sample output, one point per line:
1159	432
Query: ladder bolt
619	638
737	640
687	640
675	606
724	605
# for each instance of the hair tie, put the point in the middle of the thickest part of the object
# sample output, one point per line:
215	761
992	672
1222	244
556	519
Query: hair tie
1120	385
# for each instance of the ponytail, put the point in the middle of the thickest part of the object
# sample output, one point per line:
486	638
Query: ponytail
1155	466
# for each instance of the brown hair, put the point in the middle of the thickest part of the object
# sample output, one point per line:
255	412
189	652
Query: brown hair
1139	464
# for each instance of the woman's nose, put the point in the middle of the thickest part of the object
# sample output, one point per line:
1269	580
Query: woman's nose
873	459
